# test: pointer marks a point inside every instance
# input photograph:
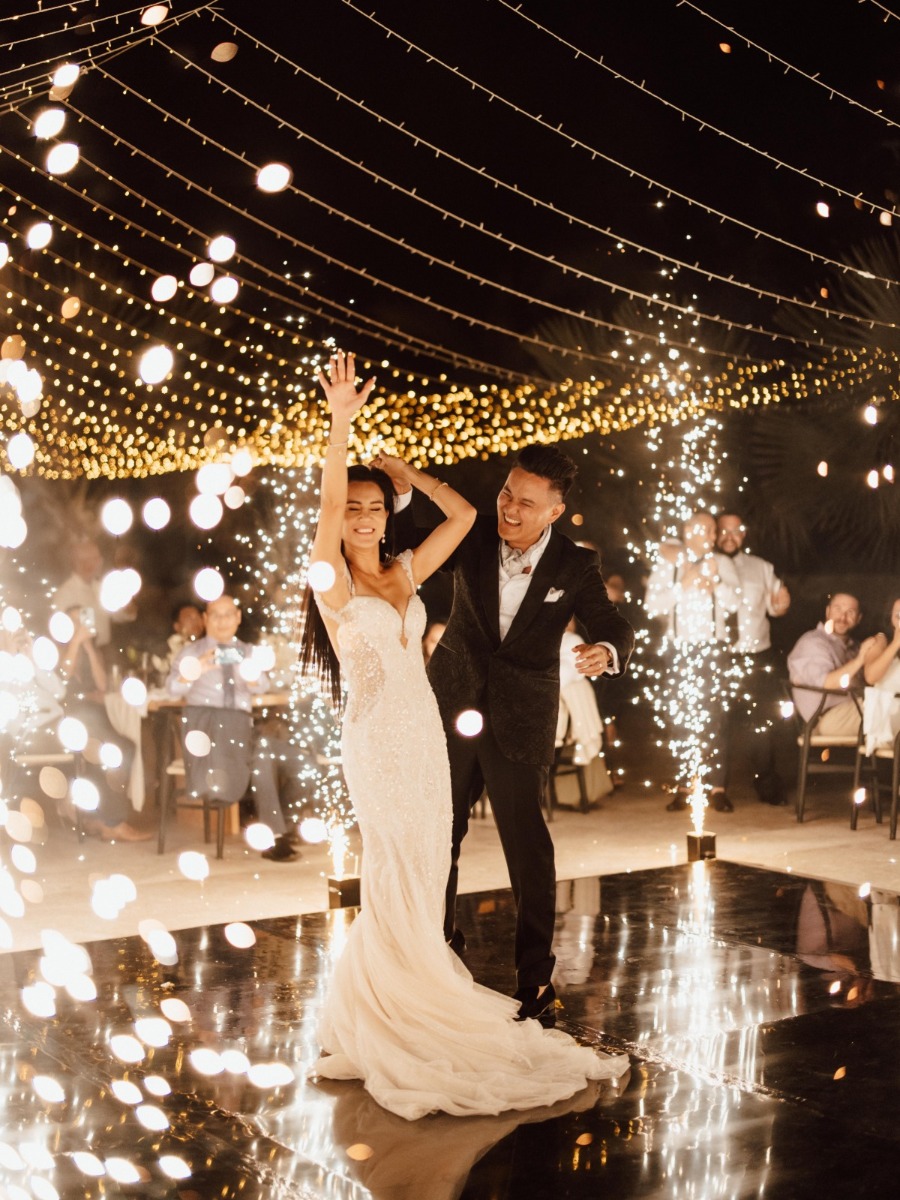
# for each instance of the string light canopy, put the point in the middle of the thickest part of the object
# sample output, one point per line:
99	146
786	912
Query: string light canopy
148	341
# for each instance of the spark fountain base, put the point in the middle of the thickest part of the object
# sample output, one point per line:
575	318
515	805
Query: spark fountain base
344	892
701	846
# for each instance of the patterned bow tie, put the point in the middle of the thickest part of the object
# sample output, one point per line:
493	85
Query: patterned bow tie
515	562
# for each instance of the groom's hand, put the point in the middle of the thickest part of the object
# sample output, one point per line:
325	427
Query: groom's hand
394	468
591	660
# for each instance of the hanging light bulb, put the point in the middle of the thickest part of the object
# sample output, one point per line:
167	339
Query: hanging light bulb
39	235
48	123
224	290
273	177
155	364
221	248
66	76
62	158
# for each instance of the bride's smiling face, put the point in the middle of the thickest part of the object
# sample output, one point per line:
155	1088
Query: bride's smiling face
365	517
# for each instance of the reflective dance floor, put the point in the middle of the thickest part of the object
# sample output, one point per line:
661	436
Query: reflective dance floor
761	1012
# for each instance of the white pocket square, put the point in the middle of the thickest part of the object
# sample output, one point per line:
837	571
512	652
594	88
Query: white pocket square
553	595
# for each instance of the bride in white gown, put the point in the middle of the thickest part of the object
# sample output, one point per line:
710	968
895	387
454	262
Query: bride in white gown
403	1014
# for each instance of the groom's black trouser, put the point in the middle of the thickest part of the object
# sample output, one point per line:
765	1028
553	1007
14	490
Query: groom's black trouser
515	791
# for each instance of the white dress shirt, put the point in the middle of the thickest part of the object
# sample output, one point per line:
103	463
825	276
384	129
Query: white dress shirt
758	585
694	614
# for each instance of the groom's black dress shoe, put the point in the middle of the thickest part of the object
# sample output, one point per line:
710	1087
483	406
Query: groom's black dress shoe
537	1008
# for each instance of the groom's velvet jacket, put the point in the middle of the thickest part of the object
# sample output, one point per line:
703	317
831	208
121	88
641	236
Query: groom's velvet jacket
516	680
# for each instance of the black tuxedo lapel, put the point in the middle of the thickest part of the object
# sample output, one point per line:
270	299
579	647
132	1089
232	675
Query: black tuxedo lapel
541	581
489	584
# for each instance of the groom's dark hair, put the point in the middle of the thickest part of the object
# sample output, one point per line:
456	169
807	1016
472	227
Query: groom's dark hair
550	464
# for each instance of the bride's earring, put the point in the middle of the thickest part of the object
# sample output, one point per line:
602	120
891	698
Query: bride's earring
382	539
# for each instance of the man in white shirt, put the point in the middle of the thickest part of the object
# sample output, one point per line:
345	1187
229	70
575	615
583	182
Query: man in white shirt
762	595
697	591
82	590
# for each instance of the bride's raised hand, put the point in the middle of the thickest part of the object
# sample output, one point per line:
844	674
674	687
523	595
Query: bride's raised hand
339	386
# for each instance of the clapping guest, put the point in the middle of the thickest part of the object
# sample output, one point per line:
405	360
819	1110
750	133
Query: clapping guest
828	657
882	674
86	680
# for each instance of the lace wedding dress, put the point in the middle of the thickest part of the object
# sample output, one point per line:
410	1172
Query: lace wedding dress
403	1014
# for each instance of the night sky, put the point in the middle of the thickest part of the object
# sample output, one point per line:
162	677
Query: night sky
384	266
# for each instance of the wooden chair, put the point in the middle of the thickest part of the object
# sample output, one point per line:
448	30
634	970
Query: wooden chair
565	760
889	751
810	742
173	792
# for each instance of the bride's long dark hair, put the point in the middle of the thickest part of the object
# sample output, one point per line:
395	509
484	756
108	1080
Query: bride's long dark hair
317	656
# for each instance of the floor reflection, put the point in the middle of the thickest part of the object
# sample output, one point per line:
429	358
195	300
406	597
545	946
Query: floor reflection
762	1012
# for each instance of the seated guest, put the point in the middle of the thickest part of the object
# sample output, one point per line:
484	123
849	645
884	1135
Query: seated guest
85	675
217	679
882	674
827	657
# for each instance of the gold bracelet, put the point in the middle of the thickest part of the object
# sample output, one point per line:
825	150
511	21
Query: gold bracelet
339	444
437	488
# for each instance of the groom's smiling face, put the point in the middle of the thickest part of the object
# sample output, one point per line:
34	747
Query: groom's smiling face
527	504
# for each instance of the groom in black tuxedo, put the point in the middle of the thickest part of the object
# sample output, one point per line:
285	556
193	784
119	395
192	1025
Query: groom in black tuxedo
517	583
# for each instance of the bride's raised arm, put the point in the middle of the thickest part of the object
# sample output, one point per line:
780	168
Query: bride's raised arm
459	515
344	402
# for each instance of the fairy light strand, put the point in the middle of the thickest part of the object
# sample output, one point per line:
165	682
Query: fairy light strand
553	261
685	115
419	140
595	152
789	67
435	259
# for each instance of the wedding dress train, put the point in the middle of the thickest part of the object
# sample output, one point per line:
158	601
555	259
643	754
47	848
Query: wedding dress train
403	1014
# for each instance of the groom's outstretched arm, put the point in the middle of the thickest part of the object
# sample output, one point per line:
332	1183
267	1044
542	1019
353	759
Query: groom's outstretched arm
600	618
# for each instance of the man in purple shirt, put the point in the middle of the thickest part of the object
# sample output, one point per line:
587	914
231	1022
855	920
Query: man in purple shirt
827	657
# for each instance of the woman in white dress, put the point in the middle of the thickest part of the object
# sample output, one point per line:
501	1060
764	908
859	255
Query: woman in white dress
404	1015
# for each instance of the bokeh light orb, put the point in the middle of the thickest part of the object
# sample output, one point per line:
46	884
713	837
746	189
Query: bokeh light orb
62	158
134	692
470	722
111	756
48	123
197	742
44	654
20	450
156	513
62	627
116	516
70	307
39	235
241	462
313	830
154	14
223	52
240	935
66	75
321	576
235	496
85	794
225	289
72	734
155	364
221	248
259	836
274	177
164	288
193	865
209	584
202	274
213	479
206	511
